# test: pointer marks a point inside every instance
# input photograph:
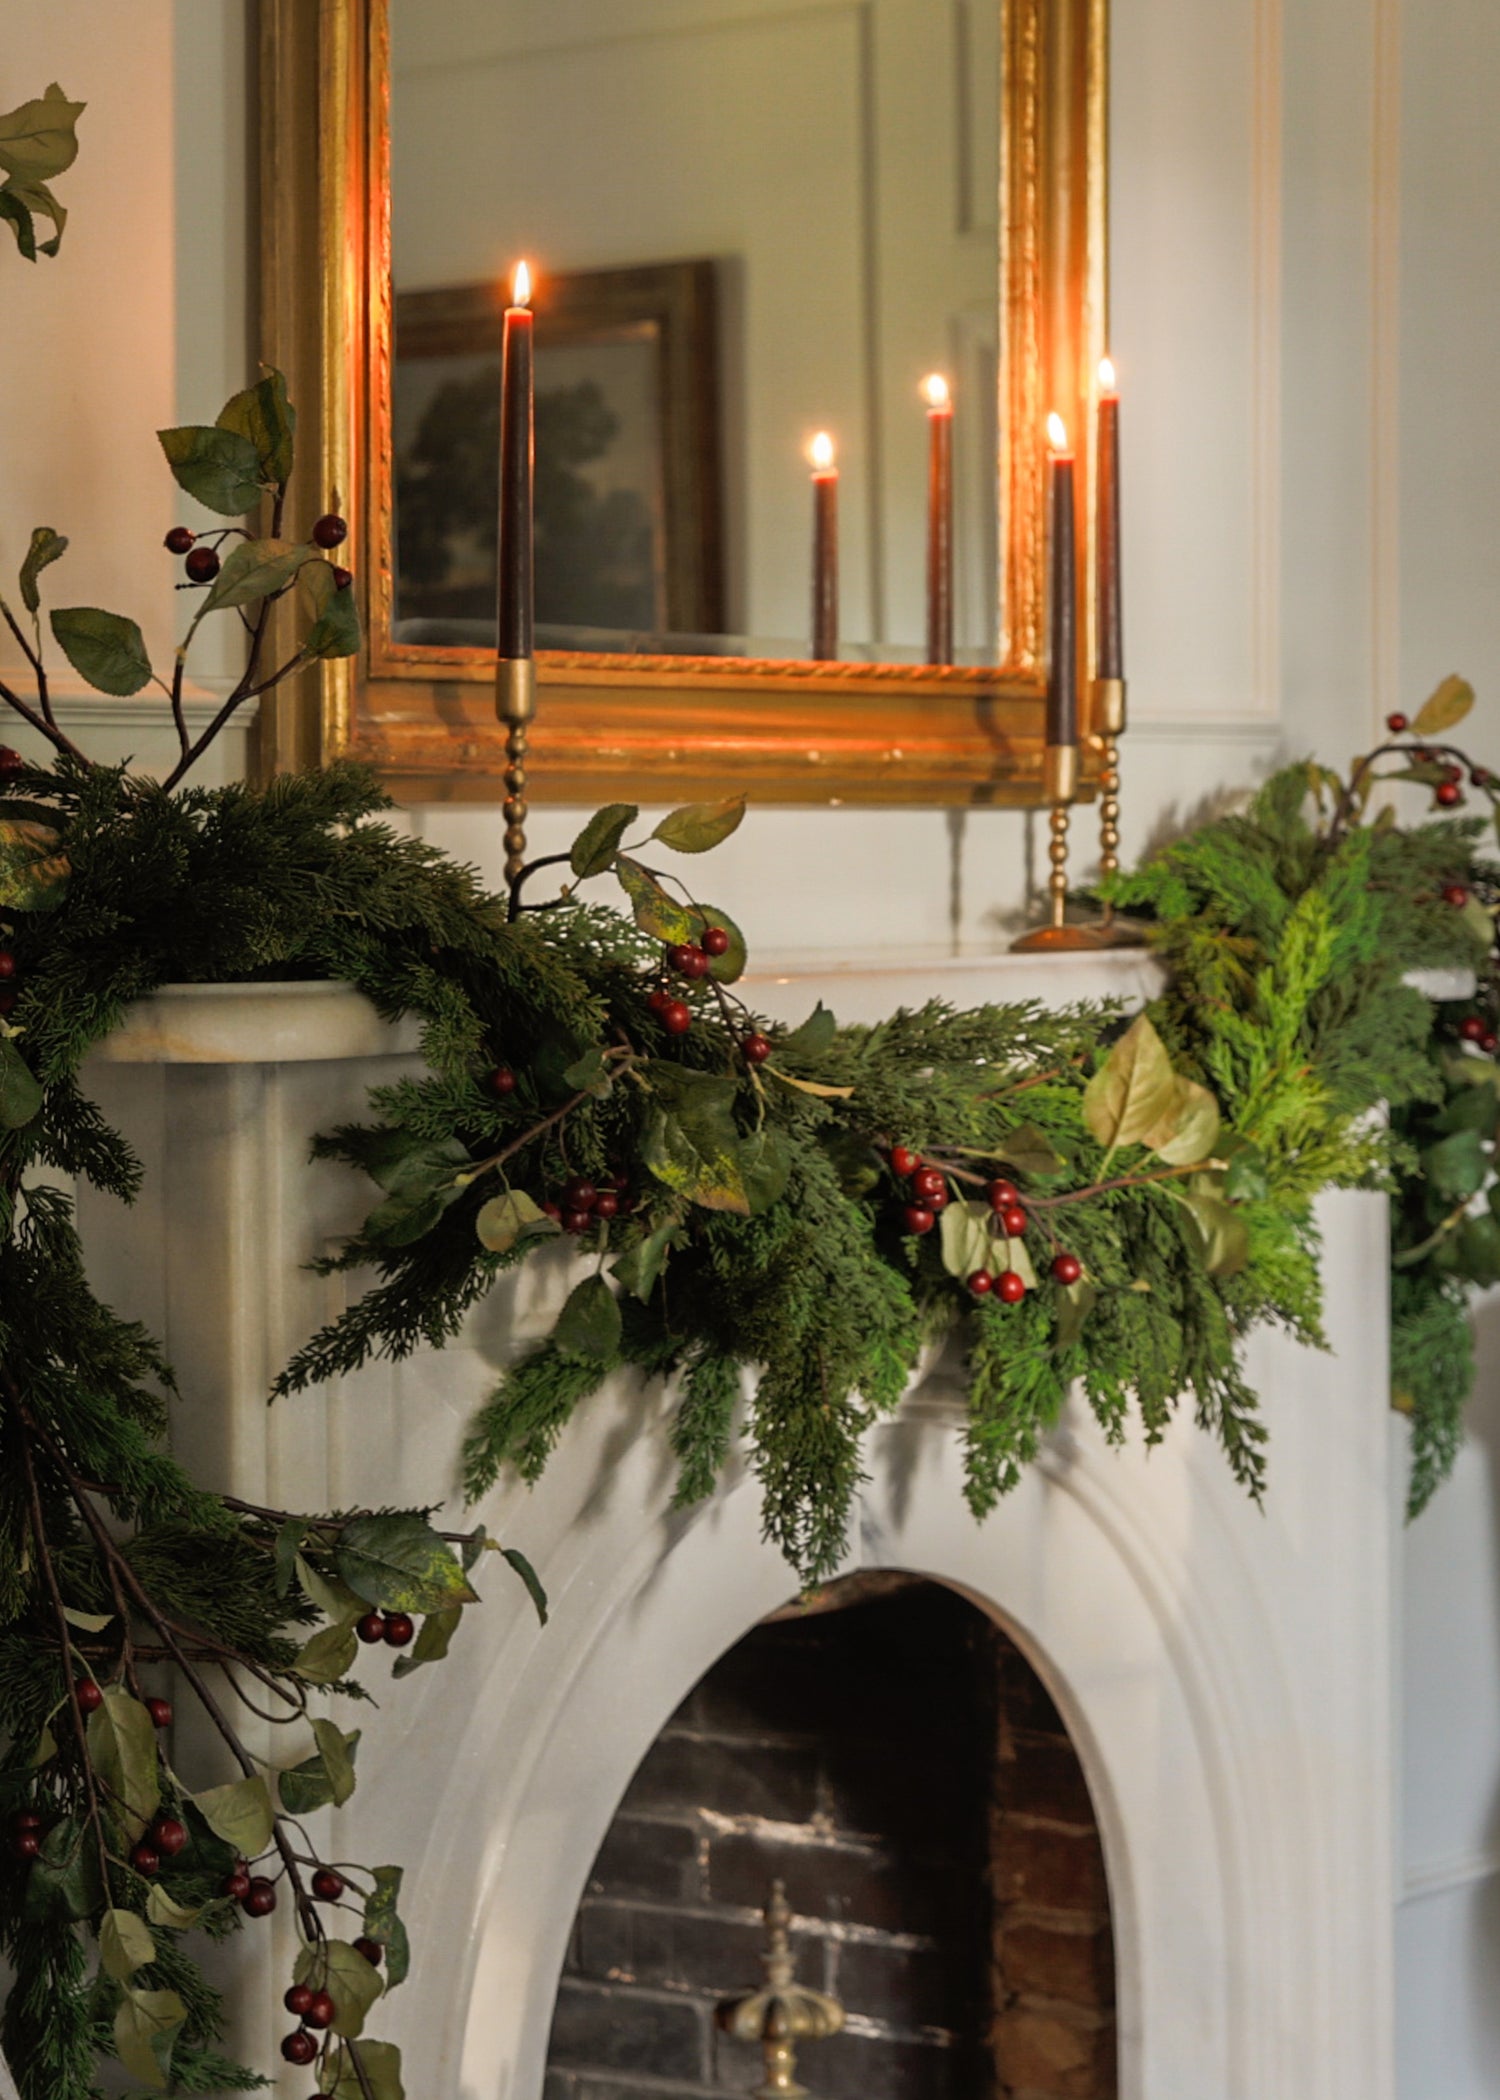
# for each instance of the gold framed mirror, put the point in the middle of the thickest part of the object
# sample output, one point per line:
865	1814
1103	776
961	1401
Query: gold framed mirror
676	724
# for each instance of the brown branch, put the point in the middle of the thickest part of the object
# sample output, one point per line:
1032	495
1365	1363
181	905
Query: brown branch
41	725
246	687
175	696
34	659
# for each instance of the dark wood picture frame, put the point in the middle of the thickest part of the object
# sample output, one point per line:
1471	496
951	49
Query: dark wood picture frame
673	306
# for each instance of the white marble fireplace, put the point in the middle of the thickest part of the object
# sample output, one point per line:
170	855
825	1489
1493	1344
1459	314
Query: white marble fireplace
1224	1671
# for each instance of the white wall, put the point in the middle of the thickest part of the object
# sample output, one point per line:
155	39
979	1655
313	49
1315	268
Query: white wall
1307	270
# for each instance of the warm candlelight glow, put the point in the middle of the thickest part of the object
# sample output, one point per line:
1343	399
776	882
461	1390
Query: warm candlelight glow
521	286
820	452
935	390
1057	432
1108	384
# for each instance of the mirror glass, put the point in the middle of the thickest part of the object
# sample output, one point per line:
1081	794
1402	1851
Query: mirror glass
749	221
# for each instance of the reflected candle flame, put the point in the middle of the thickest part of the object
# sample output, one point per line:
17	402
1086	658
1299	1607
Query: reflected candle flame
1108	383
1057	432
935	391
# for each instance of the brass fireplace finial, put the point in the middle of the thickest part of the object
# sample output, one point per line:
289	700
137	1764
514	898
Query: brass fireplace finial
783	2012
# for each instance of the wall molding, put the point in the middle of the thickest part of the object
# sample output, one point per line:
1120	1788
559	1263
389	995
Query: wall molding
1442	1877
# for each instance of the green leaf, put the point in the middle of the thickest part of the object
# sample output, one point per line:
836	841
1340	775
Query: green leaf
399	1562
350	1981
1456	1166
240	1813
19	216
38	202
965	1239
639	1266
381	2062
510	1217
1134	1090
1445	706
812	1036
589	1073
256	569
38	140
106	650
335	630
33	871
594	849
402	1220
699	826
473	1547
431	1644
122	1747
263	414
1246	1180
1226	1240
162	1910
46	547
146	2025
1187	1133
1027	1151
529	1576
589	1324
220	468
655	912
125	1944
322	1780
766	1167
1075	1301
333	1598
88	1621
380	1904
691	1143
288	1545
64	1883
329	1656
20	1095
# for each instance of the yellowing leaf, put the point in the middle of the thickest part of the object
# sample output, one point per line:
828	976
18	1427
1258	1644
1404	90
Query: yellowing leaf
333	1598
336	1760
350	1981
398	1562
146	2026
812	1086
329	1655
122	1745
33	868
1226	1240
381	2064
1187	1133
1134	1090
511	1216
1446	705
699	826
125	1944
965	1238
161	1910
240	1813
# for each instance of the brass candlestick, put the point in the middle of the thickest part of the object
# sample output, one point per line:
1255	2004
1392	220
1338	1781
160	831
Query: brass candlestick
783	2012
1109	723
515	704
1060	777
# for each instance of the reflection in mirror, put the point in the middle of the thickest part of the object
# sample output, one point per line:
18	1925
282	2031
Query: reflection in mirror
750	220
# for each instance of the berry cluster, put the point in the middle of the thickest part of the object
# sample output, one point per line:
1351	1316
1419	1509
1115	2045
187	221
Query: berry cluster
28	1828
578	1204
1474	1028
1448	792
395	1628
693	960
929	1193
11	763
202	559
164	1840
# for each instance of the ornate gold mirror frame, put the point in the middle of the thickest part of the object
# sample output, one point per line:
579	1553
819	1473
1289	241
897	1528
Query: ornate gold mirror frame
670	727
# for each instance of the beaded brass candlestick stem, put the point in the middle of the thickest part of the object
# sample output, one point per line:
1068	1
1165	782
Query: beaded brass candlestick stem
782	2012
515	704
1109	720
1060	774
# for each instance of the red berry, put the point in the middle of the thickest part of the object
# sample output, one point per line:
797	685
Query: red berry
330	531
579	1194
237	1884
168	1836
606	1204
577	1221
1009	1287
9	1000
756	1048
1489	1042
939	1201
202	564
299	1998
620	1183
552	1210
502	1080
1455	894
28	1819
7	963
676	1018
660	1000
1013	1221
714	941
687	960
160	1711
326	1885
1067	1268
145	1858
398	1631
26	1844
342	578
259	1900
981	1283
1480	777
371	1627
180	539
371	1950
904	1162
1447	794
320	2013
1003	1194
1472	1028
299	2048
88	1695
927	1182
918	1219
1395	723
11	763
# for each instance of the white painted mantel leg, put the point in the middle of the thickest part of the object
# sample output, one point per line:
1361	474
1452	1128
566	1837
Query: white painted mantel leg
1225	1671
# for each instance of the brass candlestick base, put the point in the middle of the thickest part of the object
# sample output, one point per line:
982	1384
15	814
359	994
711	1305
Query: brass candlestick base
781	2014
1061	781
1109	721
515	704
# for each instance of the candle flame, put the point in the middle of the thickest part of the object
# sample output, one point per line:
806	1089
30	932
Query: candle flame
935	390
820	452
1057	432
1108	383
521	286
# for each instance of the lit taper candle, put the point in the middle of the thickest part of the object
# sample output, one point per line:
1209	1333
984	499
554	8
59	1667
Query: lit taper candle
1062	682
939	400
825	584
515	593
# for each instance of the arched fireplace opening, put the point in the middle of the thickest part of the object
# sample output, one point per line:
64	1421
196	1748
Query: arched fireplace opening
892	1758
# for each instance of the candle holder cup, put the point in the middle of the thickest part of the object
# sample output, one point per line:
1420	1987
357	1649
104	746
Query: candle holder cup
1060	776
515	705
